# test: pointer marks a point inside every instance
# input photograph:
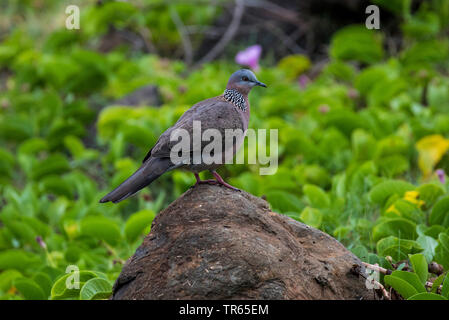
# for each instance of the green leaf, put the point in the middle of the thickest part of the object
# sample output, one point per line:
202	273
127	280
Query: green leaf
294	65
437	282
29	289
17	259
7	277
101	228
444	241
429	245
96	288
397	248
382	191
430	192
356	43
138	223
445	289
70	284
426	296
411	278
399	227
312	217
316	196
53	184
432	231
21	231
54	164
284	201
44	282
361	252
420	267
442	255
341	232
405	289
440	213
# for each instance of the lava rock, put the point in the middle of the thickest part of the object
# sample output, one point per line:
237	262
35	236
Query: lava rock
217	243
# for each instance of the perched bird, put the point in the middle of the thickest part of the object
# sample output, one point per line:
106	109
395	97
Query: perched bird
227	111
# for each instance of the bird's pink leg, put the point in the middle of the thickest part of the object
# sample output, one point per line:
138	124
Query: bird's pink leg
199	181
222	182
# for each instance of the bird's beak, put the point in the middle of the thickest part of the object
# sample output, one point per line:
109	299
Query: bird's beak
258	83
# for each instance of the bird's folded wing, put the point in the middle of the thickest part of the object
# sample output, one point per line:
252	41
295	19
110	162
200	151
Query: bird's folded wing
214	113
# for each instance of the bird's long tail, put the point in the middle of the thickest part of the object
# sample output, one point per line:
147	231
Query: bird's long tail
147	173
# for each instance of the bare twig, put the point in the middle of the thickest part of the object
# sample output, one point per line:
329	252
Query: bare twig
228	35
356	269
385	293
206	30
283	13
187	45
286	40
146	36
429	284
377	268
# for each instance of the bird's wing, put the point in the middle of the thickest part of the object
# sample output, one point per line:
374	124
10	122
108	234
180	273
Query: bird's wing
213	113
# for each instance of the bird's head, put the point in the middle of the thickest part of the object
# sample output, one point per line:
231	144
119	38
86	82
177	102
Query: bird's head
243	80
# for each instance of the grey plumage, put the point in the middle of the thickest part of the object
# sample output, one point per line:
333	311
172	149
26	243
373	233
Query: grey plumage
227	111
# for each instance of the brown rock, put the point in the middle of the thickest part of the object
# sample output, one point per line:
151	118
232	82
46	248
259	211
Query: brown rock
216	243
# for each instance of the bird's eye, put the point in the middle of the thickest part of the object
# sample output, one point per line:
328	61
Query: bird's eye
245	78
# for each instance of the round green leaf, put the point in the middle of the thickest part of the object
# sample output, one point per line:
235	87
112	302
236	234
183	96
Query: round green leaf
69	285
405	289
7	277
96	288
29	289
138	223
316	196
440	213
398	227
382	191
101	228
411	278
427	296
312	217
420	267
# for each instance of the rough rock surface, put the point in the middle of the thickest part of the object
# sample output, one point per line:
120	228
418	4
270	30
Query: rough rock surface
216	243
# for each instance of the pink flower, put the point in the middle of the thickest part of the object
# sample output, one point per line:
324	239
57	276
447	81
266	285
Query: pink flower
353	93
324	108
303	80
441	175
41	242
250	57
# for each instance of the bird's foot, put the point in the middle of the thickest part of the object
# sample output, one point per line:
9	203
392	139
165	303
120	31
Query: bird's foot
227	185
209	181
222	182
199	181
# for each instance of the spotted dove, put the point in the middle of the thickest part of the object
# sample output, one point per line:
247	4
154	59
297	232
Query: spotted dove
230	110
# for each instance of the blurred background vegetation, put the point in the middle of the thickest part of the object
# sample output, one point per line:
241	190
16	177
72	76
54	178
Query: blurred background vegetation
363	120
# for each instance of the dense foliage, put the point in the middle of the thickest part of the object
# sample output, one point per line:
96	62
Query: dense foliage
359	146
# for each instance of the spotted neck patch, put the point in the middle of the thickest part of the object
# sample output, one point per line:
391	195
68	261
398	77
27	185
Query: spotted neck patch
236	98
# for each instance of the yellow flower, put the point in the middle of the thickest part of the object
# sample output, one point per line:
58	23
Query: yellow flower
412	197
393	209
431	149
